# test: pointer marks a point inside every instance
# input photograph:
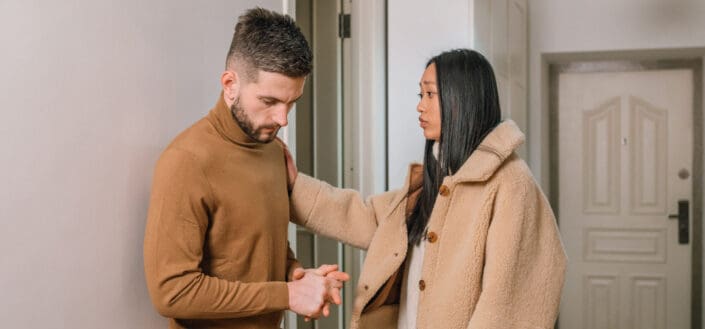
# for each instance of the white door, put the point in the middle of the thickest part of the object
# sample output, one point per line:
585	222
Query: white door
625	146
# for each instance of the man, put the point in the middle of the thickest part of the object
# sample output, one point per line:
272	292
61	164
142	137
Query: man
215	249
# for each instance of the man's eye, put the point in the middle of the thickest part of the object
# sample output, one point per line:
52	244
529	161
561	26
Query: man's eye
268	102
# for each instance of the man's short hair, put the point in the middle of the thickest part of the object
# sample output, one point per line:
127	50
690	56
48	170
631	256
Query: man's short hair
269	41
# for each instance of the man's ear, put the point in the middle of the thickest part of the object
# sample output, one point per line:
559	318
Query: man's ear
230	81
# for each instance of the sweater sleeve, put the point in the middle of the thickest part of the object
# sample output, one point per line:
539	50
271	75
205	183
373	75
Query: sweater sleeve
177	221
337	213
524	262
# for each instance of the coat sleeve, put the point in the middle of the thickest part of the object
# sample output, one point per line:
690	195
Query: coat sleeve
524	262
337	213
173	250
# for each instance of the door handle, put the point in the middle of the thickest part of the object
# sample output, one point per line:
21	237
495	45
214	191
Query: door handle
683	217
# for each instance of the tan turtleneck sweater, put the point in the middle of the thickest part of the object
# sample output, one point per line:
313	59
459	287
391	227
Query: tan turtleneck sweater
215	247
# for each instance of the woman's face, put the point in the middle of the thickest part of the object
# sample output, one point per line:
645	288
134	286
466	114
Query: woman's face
429	107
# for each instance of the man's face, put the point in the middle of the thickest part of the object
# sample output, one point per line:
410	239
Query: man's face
261	107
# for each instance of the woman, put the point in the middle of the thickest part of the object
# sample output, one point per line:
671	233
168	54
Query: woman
469	241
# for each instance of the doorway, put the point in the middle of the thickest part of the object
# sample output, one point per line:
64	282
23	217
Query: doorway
626	187
339	135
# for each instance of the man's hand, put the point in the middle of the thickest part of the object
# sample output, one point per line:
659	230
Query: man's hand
291	169
333	282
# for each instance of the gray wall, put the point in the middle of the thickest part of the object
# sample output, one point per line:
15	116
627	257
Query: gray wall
90	93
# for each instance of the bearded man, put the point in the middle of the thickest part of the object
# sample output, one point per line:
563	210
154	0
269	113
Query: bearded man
215	250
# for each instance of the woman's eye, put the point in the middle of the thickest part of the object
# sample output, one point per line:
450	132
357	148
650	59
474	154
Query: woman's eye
420	95
429	94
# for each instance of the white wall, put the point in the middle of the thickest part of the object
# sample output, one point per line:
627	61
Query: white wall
416	31
568	26
90	93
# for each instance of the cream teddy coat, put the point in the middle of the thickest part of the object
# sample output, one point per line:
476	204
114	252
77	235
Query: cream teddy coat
493	256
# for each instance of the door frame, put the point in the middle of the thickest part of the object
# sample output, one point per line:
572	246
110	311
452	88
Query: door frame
645	61
359	153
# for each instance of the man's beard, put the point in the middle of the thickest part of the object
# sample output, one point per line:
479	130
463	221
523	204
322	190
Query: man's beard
248	127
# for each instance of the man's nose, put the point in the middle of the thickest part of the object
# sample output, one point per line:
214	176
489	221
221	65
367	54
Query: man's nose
280	116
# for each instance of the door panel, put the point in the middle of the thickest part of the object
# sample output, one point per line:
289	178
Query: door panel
623	138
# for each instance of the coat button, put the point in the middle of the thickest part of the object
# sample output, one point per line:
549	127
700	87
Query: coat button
422	285
432	237
444	190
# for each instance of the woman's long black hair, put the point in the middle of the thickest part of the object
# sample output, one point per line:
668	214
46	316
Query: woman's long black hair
469	105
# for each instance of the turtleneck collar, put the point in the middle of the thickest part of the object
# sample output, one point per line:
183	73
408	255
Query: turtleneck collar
222	119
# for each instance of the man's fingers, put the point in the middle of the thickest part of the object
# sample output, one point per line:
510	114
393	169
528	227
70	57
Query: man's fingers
335	296
316	315
337	275
325	269
331	270
297	274
333	283
326	310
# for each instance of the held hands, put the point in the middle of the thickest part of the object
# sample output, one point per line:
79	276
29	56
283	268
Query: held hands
312	290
